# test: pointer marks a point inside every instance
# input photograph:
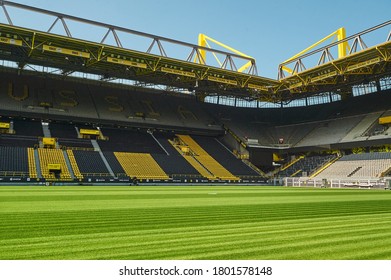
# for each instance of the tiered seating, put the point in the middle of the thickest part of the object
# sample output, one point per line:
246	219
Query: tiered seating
114	164
173	164
90	163
18	140
13	161
53	156
358	166
95	101
134	141
291	134
201	156
224	156
74	165
31	163
28	128
317	125
330	132
76	144
60	130
358	132
125	117
194	163
141	166
199	167
306	164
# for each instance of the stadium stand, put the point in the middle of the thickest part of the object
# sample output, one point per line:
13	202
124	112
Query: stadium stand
75	101
76	144
49	97
305	166
116	167
150	108
14	162
32	163
126	140
140	166
326	133
56	157
359	131
28	128
172	162
9	140
63	130
140	121
360	166
74	165
149	118
205	160
90	164
199	167
338	122
176	166
163	139
224	156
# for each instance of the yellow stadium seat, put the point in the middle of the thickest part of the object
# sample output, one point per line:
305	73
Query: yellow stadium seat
141	166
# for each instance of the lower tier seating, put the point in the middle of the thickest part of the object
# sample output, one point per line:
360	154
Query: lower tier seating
201	157
141	166
305	166
32	163
74	165
14	161
90	163
360	166
53	156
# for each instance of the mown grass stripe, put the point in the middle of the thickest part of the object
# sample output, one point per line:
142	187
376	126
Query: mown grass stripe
186	223
268	228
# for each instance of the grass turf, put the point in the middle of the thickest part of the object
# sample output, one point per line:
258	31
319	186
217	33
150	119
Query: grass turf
194	223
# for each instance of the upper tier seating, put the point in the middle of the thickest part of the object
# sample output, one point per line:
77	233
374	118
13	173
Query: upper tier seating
60	130
76	143
318	125
121	140
12	140
75	101
28	128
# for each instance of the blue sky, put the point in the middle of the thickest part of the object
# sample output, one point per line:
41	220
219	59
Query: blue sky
269	31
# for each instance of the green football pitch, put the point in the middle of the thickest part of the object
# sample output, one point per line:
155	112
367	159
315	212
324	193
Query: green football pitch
194	222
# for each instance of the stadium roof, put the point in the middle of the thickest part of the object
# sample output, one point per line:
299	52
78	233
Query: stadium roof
312	72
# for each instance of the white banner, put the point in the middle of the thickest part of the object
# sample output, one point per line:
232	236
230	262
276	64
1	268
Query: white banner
215	270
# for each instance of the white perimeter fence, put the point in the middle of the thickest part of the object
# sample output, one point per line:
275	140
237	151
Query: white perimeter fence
338	183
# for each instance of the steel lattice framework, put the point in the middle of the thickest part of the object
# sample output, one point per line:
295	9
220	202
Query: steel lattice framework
297	78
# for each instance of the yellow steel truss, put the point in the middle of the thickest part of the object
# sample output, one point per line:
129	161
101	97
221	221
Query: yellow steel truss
338	35
203	42
67	54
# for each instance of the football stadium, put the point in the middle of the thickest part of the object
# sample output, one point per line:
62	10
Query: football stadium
112	153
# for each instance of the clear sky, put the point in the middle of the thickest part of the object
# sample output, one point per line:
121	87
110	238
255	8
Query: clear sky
269	31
